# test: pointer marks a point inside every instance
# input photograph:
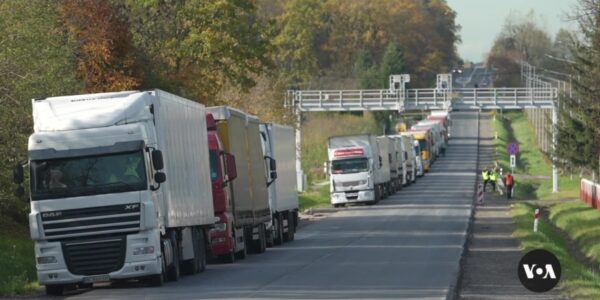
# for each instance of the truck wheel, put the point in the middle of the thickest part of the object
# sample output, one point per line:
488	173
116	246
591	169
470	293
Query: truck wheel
278	230
174	272
192	266
202	250
55	289
158	279
289	235
261	244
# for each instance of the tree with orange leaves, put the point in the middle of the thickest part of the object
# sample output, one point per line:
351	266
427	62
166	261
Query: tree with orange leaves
106	59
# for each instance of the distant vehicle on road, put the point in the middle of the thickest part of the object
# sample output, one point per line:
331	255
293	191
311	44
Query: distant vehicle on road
356	170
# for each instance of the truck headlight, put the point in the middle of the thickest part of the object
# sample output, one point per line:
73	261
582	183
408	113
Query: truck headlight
143	250
219	227
46	260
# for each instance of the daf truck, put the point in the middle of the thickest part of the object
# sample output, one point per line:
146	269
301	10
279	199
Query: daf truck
279	150
356	172
249	206
119	188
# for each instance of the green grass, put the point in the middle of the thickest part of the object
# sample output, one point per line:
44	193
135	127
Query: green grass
315	197
577	281
581	223
514	127
17	260
319	127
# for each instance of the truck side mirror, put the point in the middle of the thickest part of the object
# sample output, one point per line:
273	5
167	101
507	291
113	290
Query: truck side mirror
231	168
18	174
157	160
380	162
272	164
273	175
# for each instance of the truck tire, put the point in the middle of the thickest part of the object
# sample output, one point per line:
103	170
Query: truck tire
261	243
289	235
192	266
55	289
158	279
414	177
277	229
173	272
203	249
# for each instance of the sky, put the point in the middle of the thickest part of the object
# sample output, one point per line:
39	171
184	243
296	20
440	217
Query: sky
482	20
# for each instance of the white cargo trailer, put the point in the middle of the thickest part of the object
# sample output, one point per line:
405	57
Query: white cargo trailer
356	170
279	151
386	150
120	188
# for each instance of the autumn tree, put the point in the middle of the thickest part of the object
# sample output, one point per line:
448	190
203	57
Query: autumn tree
37	59
194	48
302	31
107	61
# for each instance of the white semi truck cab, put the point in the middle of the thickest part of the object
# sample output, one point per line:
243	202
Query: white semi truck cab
355	169
105	204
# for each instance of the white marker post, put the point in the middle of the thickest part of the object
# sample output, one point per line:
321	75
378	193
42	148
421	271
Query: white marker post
480	193
513	163
536	219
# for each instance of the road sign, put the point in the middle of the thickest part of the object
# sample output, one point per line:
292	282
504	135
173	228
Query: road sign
513	161
513	148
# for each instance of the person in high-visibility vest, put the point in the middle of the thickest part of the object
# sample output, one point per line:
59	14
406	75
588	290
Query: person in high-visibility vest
485	174
493	177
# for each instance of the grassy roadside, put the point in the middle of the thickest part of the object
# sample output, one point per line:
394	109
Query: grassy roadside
319	127
578	281
17	260
580	223
315	197
533	173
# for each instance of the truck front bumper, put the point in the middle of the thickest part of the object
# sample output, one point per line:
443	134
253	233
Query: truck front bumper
134	266
352	196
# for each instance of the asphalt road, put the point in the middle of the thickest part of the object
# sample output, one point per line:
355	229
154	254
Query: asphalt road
408	245
478	75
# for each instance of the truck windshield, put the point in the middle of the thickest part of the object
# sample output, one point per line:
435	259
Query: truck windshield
88	175
350	165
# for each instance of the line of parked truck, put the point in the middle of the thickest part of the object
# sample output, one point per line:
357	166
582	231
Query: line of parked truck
147	185
364	168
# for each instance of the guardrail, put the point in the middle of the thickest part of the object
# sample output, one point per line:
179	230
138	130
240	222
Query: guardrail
589	193
423	99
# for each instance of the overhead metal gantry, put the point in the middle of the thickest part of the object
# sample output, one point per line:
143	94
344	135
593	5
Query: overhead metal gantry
398	98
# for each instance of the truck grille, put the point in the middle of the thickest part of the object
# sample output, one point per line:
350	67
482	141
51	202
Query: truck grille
94	257
349	183
93	221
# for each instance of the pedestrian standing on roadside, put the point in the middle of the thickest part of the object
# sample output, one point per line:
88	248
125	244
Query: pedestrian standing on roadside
509	182
485	174
493	176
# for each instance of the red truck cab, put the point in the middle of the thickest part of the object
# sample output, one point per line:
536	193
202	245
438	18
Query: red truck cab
222	171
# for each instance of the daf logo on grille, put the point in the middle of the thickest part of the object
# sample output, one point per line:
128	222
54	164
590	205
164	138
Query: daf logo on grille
131	206
52	214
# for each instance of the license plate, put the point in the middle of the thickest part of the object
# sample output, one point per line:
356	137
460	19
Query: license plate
352	195
96	278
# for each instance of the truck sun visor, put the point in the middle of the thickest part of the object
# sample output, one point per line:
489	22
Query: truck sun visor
52	153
